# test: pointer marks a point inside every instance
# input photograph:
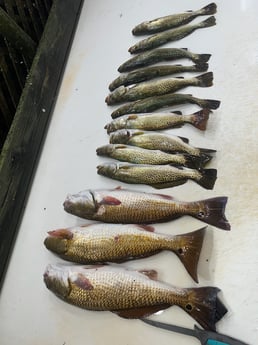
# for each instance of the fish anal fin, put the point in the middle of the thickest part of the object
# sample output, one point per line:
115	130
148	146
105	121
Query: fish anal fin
151	274
138	313
177	112
185	140
169	184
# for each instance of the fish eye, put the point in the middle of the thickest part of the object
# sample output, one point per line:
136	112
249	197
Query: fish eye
189	307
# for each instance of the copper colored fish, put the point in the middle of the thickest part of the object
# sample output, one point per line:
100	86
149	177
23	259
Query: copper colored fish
128	206
101	242
130	293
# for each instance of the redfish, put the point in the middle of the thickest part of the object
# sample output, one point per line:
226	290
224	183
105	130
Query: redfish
130	293
101	242
128	206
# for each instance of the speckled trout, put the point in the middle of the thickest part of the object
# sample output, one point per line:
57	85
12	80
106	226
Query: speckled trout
172	21
130	293
171	35
128	206
156	88
101	242
157	176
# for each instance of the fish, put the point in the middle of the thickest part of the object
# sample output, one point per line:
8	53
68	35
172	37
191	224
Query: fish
157	141
172	21
159	55
148	73
101	243
171	35
151	104
130	293
129	206
156	88
137	155
157	176
159	121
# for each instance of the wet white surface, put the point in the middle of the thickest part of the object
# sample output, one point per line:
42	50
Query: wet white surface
29	313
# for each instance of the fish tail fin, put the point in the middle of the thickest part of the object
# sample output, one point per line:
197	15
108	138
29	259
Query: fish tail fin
204	306
206	151
211	21
212	211
189	250
204	80
209	9
200	119
208	178
201	58
208	103
195	162
201	67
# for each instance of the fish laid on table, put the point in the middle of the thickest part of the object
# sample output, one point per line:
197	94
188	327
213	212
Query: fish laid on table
101	242
170	36
159	121
130	293
157	176
162	54
157	87
156	141
153	103
148	73
127	206
172	21
133	154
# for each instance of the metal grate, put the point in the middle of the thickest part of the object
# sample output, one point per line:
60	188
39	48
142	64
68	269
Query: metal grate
21	25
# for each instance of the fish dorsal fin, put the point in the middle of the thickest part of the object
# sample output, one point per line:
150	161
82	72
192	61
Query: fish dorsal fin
146	227
137	313
83	283
110	200
151	274
179	77
61	233
132	117
184	48
178	112
185	140
121	146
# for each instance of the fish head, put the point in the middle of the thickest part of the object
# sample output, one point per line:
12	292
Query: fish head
121	136
56	279
58	241
116	124
116	95
81	204
105	150
108	169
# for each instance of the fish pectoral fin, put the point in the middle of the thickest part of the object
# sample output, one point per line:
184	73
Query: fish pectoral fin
146	227
132	117
110	200
83	283
169	184
138	313
177	112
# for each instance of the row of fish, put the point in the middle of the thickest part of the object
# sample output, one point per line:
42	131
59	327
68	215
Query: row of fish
124	230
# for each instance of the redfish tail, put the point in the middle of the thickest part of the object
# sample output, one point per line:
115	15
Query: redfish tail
204	306
212	211
205	80
200	119
190	246
208	178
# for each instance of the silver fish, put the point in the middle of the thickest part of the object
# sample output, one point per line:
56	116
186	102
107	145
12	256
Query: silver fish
169	36
148	73
157	176
157	87
159	121
172	21
161	54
